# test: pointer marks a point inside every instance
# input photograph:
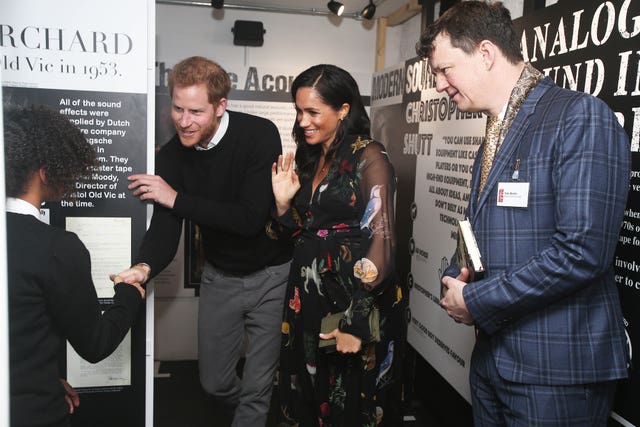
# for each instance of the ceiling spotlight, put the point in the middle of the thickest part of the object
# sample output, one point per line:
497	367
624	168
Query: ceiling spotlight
336	7
217	4
369	10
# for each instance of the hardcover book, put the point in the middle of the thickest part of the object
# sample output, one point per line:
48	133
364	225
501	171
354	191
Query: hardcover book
468	253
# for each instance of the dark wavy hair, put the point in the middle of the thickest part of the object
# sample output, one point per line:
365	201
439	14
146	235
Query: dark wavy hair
36	138
467	23
335	87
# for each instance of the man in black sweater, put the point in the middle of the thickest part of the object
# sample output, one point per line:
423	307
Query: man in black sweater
51	295
216	172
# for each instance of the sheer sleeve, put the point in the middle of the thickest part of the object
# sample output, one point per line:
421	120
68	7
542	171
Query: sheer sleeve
377	187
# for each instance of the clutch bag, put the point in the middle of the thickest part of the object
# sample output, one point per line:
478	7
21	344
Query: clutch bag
331	322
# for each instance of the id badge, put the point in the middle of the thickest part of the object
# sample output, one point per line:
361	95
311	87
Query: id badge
513	194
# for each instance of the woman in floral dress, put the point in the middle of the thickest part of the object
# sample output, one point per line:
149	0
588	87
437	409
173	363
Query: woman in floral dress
338	206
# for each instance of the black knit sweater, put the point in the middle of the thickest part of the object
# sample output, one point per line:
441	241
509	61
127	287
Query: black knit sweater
227	192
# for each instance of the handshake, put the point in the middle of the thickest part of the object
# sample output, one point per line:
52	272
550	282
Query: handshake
136	275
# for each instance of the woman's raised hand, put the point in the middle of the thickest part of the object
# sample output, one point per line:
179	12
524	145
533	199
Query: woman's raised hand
284	181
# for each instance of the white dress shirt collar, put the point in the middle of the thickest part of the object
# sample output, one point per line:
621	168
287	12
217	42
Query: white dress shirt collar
503	112
19	206
217	137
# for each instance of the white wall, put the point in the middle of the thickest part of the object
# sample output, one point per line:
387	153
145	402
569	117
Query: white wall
401	39
401	42
292	43
515	7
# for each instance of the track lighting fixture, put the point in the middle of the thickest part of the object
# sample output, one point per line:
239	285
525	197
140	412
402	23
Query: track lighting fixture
217	4
336	7
369	10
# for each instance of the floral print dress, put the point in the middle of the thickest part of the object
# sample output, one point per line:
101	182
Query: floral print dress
344	245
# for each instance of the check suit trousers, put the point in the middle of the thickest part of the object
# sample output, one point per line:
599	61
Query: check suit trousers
499	402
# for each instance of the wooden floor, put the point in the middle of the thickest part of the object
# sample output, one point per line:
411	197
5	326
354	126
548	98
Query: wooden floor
180	401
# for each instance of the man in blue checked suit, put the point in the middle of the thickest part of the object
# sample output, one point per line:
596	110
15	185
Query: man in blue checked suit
546	213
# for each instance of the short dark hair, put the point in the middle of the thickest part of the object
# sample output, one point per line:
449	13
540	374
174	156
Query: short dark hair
36	138
199	70
467	23
335	87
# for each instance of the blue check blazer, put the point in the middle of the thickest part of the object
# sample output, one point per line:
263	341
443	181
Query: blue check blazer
548	301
